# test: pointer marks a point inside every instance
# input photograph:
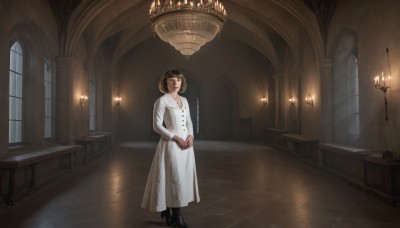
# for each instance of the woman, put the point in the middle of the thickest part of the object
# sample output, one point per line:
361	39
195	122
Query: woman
172	182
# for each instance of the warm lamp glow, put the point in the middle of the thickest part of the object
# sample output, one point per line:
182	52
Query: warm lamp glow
381	83
309	100
117	99
83	99
292	100
264	100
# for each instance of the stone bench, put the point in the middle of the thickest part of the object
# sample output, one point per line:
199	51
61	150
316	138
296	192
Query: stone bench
273	137
382	177
346	162
303	147
95	144
26	166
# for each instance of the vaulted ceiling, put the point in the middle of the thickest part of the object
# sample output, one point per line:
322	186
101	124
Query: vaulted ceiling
268	26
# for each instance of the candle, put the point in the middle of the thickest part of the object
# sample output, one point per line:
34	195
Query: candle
376	80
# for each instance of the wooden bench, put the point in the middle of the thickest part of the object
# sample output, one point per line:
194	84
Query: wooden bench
95	144
304	147
29	161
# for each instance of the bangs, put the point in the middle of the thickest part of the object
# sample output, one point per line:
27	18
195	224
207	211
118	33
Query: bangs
173	73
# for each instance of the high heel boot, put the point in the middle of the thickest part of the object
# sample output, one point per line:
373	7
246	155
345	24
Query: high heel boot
168	218
178	219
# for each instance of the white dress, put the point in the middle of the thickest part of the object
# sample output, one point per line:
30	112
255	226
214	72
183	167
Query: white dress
172	181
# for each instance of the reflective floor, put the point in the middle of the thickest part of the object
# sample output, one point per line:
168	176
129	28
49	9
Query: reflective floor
241	185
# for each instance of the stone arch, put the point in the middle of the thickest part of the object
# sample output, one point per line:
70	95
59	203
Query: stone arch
36	47
344	48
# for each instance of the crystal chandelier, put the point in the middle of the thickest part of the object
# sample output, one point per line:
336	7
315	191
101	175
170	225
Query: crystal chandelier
187	25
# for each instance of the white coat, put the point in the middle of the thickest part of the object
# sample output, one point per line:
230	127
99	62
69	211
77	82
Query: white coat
172	181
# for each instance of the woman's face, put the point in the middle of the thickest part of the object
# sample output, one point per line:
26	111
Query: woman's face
174	84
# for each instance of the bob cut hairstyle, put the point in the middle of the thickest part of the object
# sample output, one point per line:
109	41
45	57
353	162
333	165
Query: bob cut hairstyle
163	86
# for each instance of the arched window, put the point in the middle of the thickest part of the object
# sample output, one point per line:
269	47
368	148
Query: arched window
353	119
16	94
48	117
92	103
345	90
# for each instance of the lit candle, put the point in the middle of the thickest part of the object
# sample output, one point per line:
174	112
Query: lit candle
376	80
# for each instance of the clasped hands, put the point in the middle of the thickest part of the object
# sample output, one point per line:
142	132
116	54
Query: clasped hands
183	144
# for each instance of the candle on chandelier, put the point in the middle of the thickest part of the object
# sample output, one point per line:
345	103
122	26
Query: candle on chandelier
376	80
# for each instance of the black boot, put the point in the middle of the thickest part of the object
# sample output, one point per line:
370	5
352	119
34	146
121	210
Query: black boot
168	218
178	219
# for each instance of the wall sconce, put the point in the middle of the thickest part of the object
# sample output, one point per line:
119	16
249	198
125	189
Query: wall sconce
292	100
117	99
384	88
309	100
83	99
264	100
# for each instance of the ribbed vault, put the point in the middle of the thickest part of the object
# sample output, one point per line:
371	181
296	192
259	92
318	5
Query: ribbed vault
267	26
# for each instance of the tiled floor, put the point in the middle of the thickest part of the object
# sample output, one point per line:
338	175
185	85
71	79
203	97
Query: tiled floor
241	185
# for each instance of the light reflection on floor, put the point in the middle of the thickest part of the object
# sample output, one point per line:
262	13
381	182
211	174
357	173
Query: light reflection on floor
241	185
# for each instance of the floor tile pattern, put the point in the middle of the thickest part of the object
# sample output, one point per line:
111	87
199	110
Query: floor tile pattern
241	185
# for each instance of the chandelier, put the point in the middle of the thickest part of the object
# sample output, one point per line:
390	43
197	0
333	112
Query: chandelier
187	25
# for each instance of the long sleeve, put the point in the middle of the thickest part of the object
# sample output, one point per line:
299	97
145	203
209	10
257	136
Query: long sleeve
158	118
189	123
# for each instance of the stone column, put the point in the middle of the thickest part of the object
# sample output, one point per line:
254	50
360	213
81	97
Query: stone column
65	70
277	124
326	75
4	94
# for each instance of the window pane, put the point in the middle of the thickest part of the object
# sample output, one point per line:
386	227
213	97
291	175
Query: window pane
19	64
13	61
18	109
12	84
11	109
18	131
47	97
18	86
15	93
11	131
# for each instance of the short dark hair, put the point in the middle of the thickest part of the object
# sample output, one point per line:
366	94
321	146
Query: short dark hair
171	74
